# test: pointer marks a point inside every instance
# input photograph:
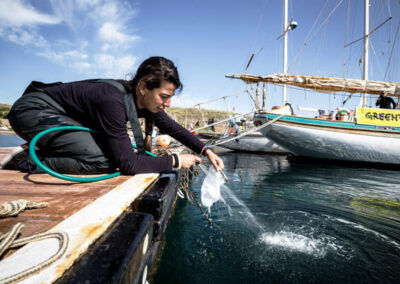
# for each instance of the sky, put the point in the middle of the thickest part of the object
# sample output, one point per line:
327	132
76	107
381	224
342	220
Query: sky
69	40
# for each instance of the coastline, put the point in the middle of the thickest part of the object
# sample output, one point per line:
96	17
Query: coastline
7	132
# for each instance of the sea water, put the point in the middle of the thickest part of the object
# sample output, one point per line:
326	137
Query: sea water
288	221
10	140
285	221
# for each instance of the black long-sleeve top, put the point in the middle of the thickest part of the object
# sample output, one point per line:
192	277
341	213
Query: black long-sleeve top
100	106
385	102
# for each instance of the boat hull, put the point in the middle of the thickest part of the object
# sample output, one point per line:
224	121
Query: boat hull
254	143
310	138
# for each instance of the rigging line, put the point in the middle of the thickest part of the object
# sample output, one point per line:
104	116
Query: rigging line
379	65
345	39
391	52
223	141
220	98
358	54
368	35
256	35
259	22
388	6
353	50
391	26
327	18
305	41
221	121
319	51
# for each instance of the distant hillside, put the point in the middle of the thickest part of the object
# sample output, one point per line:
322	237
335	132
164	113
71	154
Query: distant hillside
193	114
4	109
184	116
181	115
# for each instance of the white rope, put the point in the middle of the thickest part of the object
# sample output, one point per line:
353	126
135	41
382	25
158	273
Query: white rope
13	208
8	241
245	133
219	122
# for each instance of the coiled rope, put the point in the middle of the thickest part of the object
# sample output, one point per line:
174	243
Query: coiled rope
8	241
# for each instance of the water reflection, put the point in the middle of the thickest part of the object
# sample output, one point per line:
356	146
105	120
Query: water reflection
313	222
10	140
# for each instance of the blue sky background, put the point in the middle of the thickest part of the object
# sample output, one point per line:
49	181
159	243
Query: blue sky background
67	40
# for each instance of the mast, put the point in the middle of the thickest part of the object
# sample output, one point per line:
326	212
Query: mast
366	49
285	26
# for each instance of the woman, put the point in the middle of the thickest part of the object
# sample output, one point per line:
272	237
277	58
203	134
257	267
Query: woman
104	106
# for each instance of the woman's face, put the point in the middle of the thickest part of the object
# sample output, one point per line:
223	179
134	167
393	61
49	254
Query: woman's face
157	99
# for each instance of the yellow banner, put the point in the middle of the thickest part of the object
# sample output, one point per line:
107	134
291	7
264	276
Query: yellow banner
378	116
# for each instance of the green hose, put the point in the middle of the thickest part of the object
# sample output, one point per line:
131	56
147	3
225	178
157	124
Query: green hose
61	176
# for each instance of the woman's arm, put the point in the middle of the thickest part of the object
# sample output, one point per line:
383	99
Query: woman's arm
172	128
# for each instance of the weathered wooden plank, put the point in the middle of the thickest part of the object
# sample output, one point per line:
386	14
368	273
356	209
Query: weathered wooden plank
59	206
32	226
83	228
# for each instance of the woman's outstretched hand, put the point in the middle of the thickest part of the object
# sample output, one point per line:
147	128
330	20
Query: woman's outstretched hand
188	160
215	160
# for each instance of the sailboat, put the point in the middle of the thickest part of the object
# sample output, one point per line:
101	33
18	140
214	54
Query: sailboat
250	140
258	141
367	135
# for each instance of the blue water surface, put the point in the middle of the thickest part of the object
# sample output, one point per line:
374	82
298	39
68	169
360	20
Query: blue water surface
288	221
10	140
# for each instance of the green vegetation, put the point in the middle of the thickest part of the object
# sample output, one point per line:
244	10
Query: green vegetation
193	114
181	115
4	110
185	116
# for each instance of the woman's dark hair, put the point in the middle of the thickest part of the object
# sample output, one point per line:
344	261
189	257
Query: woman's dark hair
153	71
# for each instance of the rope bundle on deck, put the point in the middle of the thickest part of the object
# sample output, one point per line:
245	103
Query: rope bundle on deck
13	208
9	240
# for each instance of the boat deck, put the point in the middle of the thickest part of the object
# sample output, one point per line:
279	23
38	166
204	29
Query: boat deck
64	197
84	211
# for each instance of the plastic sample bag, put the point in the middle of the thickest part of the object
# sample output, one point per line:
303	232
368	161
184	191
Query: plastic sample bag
211	188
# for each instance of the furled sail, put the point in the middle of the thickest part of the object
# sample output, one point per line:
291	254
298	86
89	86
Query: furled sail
325	84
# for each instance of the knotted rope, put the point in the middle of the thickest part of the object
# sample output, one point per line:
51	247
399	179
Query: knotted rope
13	208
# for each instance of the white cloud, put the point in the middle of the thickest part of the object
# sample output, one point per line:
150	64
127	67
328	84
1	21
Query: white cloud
82	66
87	3
111	32
24	38
114	67
97	43
16	13
63	56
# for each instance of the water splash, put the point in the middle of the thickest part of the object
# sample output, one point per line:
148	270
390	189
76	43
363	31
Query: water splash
295	242
244	210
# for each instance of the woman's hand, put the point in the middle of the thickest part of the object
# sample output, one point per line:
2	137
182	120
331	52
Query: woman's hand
188	160
215	160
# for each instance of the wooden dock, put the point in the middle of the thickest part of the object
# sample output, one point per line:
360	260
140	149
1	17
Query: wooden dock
85	211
